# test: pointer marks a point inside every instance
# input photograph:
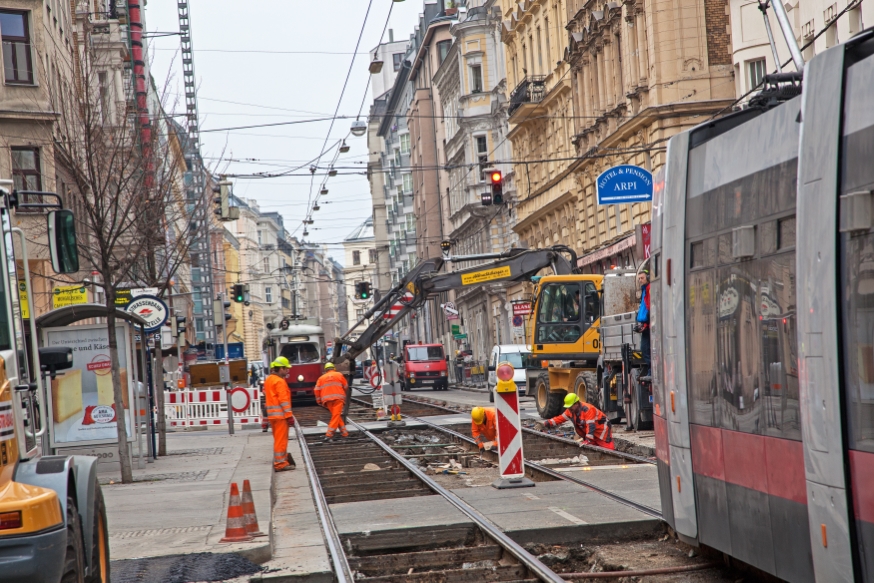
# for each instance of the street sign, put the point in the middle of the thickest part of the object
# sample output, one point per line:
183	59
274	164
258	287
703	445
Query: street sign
518	321
456	329
22	300
69	295
122	297
521	308
151	309
459	336
450	310
624	184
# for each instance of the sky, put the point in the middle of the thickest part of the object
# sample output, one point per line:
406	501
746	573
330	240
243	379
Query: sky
276	61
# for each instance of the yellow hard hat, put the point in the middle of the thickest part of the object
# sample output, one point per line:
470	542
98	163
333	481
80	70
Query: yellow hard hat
570	400
478	414
329	366
280	362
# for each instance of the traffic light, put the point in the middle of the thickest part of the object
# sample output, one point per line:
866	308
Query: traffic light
487	198
224	209
239	293
221	307
497	180
362	290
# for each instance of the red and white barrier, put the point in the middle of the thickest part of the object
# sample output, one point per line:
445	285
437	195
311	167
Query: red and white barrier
192	407
511	461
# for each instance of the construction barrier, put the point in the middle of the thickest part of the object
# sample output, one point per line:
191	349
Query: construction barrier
191	407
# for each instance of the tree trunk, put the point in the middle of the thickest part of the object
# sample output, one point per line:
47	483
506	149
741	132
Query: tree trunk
159	396
118	392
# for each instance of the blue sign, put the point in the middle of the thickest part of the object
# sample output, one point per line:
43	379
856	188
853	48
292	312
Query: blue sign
235	350
624	184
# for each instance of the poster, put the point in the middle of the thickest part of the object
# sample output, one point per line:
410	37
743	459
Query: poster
69	295
81	404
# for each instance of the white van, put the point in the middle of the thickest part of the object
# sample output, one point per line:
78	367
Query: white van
516	354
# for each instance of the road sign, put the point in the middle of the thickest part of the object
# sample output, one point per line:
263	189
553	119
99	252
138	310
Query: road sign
450	310
521	308
456	329
151	309
518	321
374	377
624	184
69	295
459	336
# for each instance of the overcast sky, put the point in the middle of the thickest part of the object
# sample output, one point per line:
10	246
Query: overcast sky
273	61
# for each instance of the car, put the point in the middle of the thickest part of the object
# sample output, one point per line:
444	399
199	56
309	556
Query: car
519	356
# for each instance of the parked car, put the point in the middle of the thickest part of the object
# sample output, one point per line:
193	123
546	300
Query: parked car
517	355
424	365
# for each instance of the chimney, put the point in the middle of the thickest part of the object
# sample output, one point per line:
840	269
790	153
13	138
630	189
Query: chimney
391	35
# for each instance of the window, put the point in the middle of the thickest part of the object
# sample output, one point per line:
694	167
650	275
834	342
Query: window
405	143
268	294
16	47
482	155
476	78
419	353
539	52
548	48
397	160
411	222
259	238
443	49
25	168
397	60
371	255
300	353
755	73
408	183
266	264
559	309
356	258
359	313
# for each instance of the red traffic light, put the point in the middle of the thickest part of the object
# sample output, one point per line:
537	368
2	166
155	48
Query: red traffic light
496	177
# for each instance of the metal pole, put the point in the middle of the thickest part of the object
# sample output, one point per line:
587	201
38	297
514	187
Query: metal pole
227	383
152	445
763	6
788	34
144	377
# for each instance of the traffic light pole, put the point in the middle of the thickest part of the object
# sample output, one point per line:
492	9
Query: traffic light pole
225	369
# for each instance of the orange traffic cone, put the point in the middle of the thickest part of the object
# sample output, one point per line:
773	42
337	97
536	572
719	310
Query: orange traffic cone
235	532
250	519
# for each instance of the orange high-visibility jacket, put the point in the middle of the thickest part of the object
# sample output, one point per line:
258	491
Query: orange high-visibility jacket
331	386
488	431
277	397
589	421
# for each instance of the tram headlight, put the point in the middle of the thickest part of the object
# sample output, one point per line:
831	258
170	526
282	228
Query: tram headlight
300	378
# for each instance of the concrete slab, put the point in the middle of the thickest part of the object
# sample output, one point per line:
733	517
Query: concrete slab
557	512
637	482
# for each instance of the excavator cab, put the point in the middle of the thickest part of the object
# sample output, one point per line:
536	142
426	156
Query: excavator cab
567	311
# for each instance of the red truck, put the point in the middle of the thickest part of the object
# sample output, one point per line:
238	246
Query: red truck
424	365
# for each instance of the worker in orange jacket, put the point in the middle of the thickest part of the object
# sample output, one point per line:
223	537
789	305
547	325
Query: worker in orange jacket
589	422
484	427
277	401
331	394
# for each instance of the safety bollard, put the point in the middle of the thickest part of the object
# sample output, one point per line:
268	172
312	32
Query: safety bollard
511	460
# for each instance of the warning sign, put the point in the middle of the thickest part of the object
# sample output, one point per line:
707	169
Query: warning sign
485	275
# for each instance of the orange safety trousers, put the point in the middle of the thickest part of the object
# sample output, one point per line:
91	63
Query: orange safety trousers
335	406
280	443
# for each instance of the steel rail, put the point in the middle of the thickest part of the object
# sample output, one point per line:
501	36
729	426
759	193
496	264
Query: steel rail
613	452
543	572
558	475
342	571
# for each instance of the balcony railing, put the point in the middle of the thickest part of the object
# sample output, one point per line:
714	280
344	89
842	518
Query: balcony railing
532	89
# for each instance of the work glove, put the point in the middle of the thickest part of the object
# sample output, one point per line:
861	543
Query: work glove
637	328
290	421
539	426
489	445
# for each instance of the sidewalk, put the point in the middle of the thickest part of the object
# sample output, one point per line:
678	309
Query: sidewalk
178	504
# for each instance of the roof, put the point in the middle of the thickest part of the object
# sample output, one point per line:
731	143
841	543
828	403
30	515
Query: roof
363	232
69	314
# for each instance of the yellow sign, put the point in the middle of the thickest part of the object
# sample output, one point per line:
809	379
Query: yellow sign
487	275
70	295
22	300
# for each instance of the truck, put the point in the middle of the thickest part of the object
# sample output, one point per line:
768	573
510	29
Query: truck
424	365
565	326
53	524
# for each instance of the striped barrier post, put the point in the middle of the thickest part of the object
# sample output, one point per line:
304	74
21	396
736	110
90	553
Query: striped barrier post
510	458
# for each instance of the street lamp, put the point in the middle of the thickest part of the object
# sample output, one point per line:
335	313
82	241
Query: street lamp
359	128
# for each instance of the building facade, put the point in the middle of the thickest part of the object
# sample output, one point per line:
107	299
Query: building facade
360	266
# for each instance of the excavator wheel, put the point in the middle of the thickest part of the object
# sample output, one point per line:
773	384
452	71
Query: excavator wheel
586	387
549	403
74	558
100	546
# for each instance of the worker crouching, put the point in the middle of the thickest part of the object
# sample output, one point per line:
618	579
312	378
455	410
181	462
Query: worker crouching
277	402
484	427
589	422
331	394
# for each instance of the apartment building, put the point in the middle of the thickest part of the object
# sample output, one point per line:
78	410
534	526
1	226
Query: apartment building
360	266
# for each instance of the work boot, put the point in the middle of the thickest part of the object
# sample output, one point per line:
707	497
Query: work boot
290	460
329	437
344	433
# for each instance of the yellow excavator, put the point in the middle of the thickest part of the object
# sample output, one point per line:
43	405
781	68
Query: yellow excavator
565	325
52	518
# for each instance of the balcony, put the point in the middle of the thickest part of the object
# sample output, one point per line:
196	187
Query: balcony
527	94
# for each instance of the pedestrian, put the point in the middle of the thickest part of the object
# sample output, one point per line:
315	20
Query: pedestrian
484	427
589	422
331	394
642	325
277	402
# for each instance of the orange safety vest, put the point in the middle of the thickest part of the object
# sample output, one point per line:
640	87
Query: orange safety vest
277	397
331	386
488	431
588	421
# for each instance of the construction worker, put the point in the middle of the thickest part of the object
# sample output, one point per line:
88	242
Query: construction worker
589	422
331	394
484	427
277	402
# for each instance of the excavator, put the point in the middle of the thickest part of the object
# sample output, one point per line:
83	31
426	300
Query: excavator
565	327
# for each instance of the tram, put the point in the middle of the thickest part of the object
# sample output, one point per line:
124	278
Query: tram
302	342
763	325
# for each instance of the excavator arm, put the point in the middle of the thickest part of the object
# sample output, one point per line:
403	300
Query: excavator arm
426	280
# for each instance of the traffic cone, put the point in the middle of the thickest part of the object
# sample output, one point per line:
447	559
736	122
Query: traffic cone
250	519
235	532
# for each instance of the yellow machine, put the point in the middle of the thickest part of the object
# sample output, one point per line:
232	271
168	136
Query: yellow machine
52	518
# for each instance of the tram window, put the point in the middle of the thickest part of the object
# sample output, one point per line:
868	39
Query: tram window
701	326
300	353
786	233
